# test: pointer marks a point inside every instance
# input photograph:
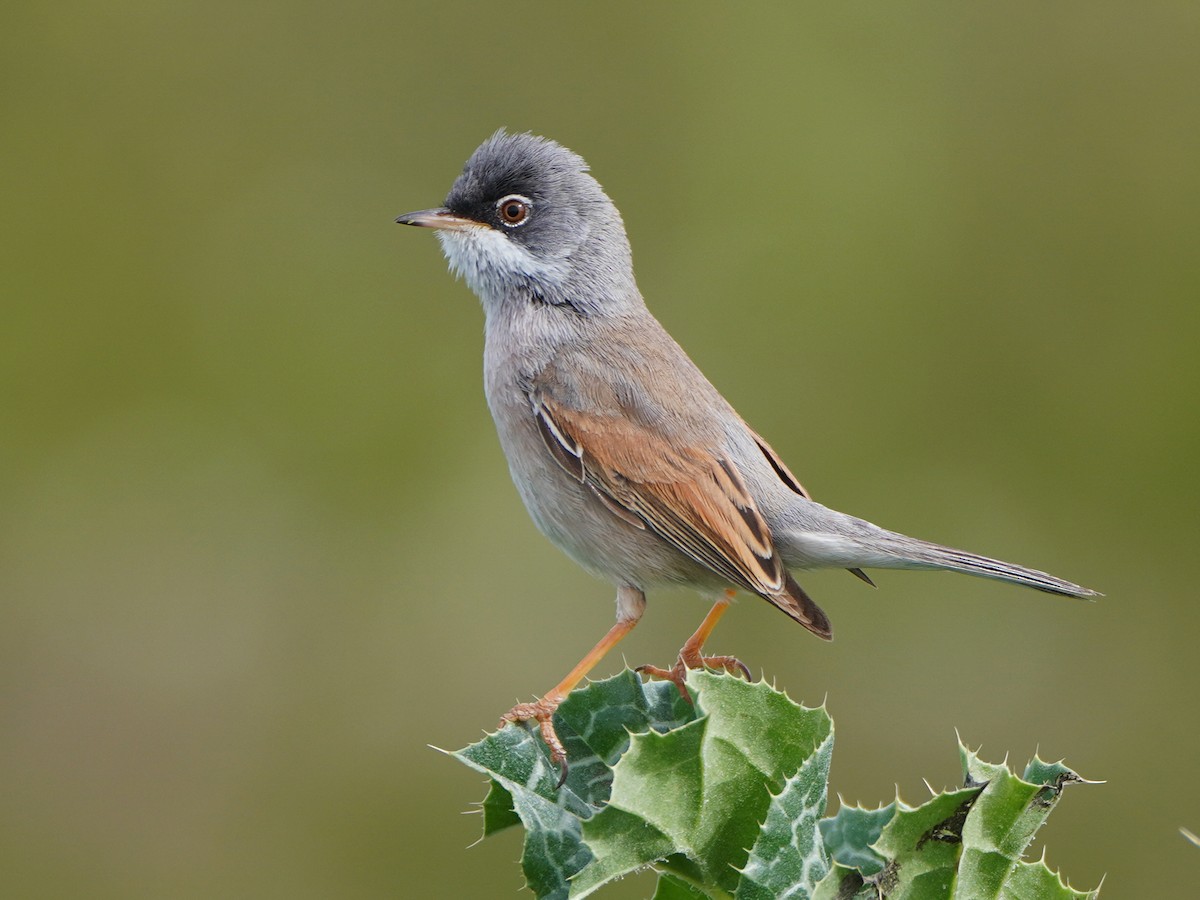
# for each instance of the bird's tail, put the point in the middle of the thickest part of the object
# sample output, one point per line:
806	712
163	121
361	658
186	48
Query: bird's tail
897	551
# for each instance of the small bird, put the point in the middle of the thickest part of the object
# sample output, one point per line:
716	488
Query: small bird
624	454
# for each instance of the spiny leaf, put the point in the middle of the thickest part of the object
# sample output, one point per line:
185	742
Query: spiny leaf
961	844
723	799
672	888
850	834
594	723
1034	880
922	845
789	858
1009	813
703	789
498	812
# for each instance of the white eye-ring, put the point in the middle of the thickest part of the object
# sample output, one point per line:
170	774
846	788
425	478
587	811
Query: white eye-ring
514	210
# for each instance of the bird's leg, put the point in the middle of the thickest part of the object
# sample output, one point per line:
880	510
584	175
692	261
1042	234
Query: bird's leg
630	605
690	657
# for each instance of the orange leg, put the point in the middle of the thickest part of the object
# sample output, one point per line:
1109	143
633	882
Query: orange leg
630	603
690	656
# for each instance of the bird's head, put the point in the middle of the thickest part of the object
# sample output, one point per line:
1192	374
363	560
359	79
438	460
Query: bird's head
526	223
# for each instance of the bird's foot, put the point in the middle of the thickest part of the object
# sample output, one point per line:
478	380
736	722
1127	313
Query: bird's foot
542	711
691	659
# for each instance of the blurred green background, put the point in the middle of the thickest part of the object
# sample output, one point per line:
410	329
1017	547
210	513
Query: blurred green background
258	545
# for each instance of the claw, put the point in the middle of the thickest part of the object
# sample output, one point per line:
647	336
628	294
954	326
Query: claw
542	711
677	674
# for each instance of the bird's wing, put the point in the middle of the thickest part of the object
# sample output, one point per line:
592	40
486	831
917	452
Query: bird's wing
691	497
784	473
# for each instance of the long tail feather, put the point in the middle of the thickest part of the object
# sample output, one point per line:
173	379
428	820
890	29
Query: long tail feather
900	552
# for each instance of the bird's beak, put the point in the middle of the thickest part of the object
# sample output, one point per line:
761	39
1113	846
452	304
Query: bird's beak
437	218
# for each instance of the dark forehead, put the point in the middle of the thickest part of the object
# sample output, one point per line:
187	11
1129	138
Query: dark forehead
514	164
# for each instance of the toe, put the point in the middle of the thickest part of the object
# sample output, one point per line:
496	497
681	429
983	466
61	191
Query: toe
542	712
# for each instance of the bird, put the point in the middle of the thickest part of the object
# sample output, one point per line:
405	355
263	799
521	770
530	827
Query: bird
624	454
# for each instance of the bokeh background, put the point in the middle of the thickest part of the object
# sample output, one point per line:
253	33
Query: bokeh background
258	546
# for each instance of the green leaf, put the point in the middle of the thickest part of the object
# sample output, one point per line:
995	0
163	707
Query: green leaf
850	834
594	724
961	844
1009	813
704	788
498	812
845	883
1035	880
922	845
723	799
789	856
673	888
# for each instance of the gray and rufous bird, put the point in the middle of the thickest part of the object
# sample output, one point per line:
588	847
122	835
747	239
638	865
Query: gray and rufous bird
625	455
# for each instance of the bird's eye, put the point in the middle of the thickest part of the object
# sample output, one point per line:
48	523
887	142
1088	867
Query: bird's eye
514	209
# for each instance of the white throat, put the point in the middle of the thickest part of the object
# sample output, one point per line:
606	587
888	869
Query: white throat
491	264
